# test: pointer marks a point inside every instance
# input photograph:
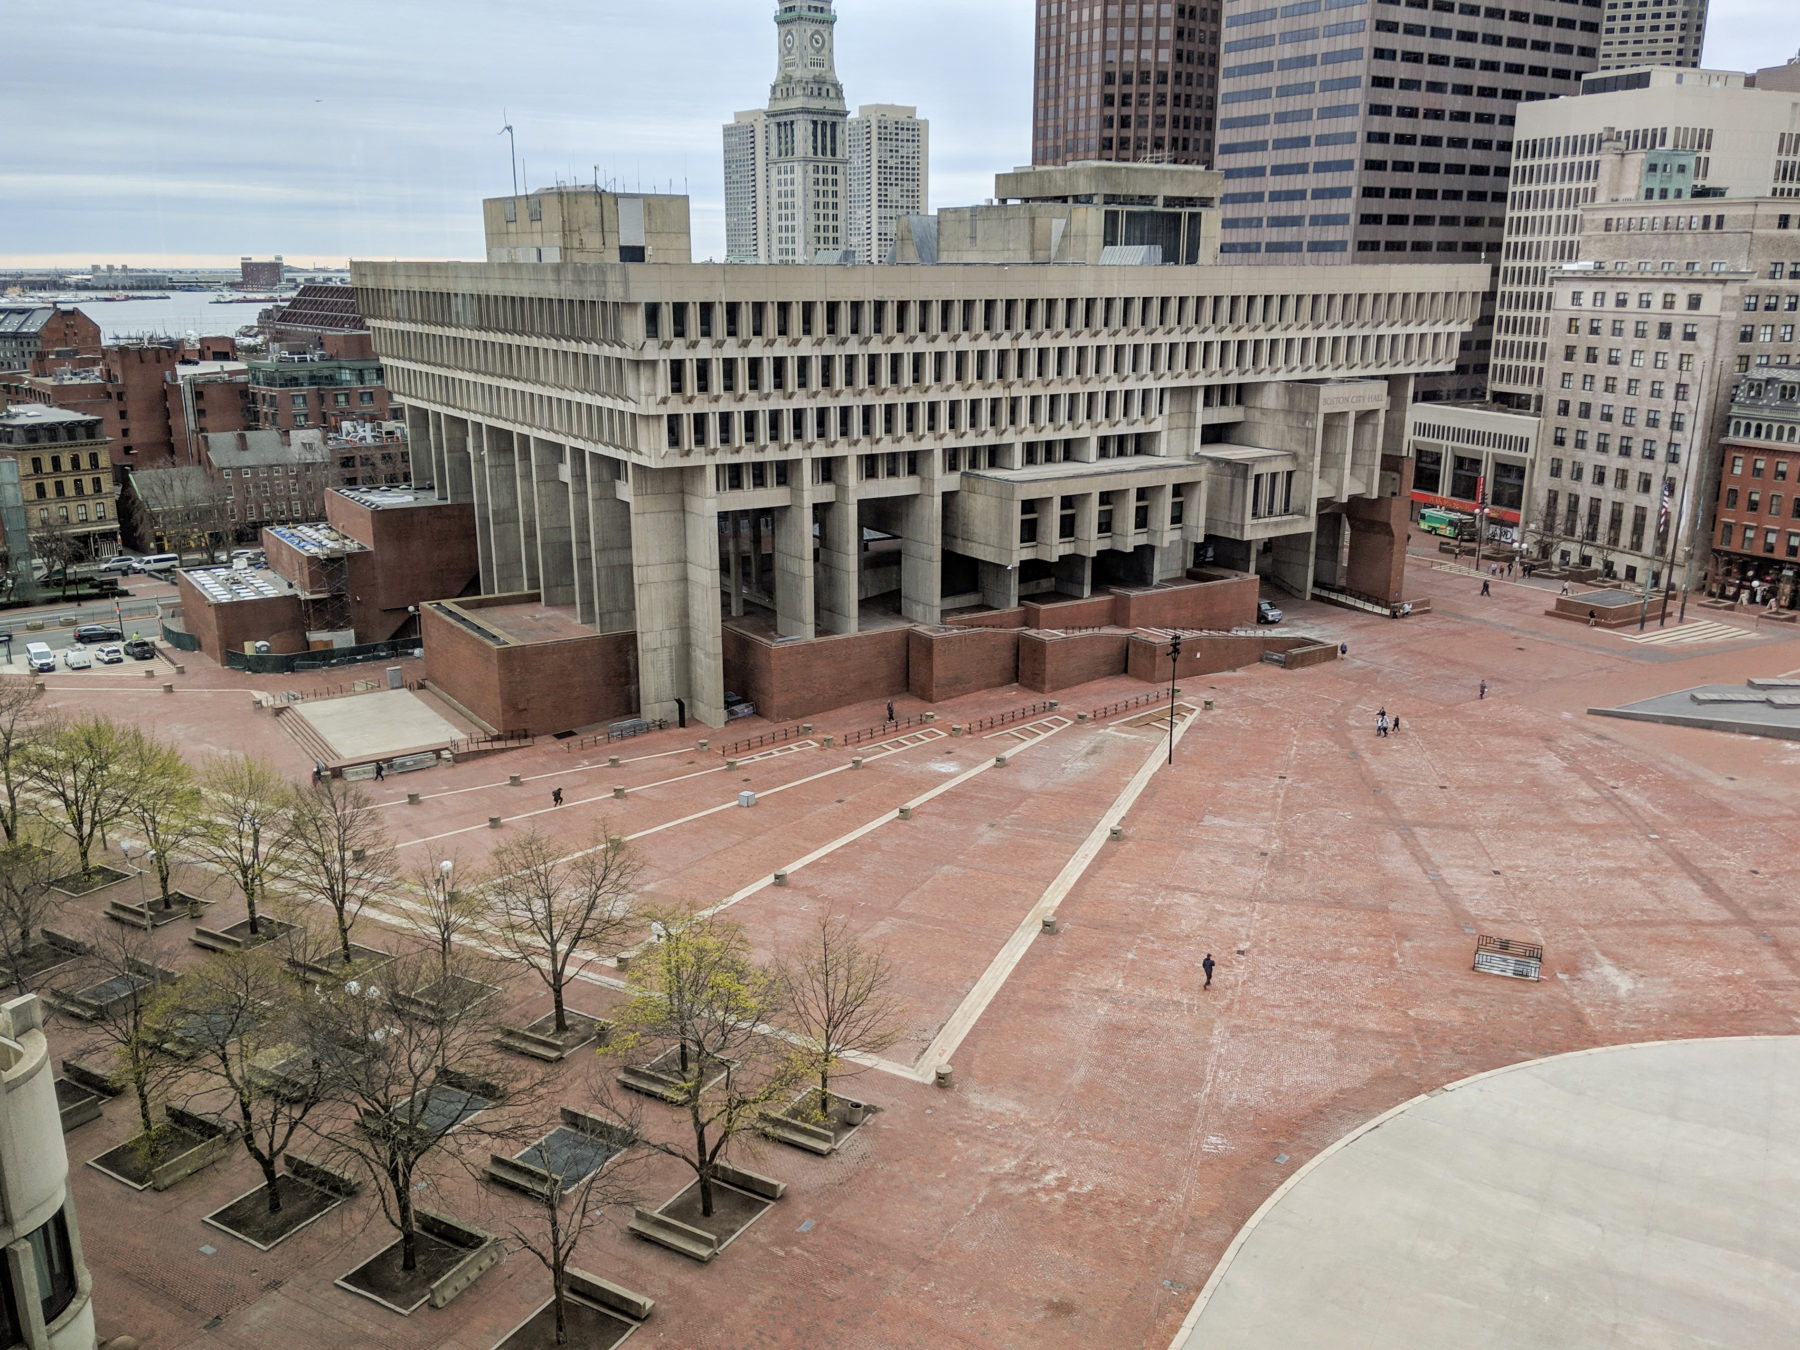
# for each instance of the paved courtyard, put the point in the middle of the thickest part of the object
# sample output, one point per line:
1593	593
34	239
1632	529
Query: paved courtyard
1111	1125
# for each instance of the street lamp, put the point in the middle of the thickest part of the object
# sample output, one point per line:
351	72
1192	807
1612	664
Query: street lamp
1174	660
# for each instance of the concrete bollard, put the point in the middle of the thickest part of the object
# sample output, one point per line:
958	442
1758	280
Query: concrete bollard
929	717
829	742
623	962
943	1075
781	878
514	780
493	822
999	761
1049	923
1055	705
168	688
619	792
704	744
906	813
1081	717
358	854
731	764
856	763
746	798
955	730
612	761
806	728
151	675
181	670
1116	833
40	686
1207	704
412	799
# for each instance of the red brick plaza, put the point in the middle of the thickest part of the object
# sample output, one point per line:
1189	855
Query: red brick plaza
1110	1125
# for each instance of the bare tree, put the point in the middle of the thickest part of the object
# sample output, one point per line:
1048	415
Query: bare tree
237	1012
408	1076
451	904
58	549
840	1002
551	1234
30	864
182	507
557	912
21	722
698	992
124	966
248	832
343	855
82	765
164	803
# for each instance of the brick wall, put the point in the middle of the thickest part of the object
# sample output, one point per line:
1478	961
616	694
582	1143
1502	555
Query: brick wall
1225	603
420	553
1148	659
994	618
1094	612
1575	608
540	687
945	665
792	680
227	627
1047	664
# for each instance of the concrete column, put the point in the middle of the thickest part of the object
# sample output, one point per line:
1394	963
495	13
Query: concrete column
503	513
424	448
478	493
457	483
609	522
525	494
922	555
840	553
734	547
999	584
1291	558
675	568
1074	575
551	541
793	545
581	534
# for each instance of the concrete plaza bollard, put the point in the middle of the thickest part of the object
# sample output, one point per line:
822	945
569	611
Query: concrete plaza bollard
955	730
856	763
705	743
618	791
1055	705
412	799
514	780
906	813
929	717
746	798
1049	923
358	854
1081	717
806	728
168	688
1116	833
1207	704
181	670
731	764
999	761
493	822
829	742
623	962
149	674
943	1075
612	761
781	878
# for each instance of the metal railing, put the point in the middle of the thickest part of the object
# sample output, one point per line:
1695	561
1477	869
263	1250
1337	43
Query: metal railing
618	731
1011	715
887	728
1126	705
765	738
500	740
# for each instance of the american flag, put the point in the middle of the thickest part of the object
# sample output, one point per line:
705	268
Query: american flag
1662	515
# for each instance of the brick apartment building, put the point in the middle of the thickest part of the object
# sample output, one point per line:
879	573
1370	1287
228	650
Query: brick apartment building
704	473
31	332
1756	533
299	390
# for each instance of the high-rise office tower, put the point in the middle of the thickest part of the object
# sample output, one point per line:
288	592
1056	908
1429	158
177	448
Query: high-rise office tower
1385	132
787	167
1652	33
1130	81
890	156
1715	137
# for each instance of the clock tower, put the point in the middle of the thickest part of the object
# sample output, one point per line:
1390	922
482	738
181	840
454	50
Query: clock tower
808	149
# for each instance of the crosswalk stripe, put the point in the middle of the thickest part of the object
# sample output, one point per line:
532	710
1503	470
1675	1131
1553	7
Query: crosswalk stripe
1690	634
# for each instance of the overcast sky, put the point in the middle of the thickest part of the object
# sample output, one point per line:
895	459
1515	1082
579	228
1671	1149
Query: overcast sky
180	131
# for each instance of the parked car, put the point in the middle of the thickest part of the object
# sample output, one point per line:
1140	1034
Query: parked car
141	649
77	658
112	654
98	632
1267	613
122	563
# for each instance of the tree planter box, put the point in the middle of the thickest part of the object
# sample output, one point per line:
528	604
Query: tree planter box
598	1313
661	1077
40	958
188	1143
457	993
452	1256
739	1199
198	1034
333	966
78	883
239	935
247	1218
110	995
562	1159
90	1078
803	1125
152	913
321	1175
540	1040
76	1104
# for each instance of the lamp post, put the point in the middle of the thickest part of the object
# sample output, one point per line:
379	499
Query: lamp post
1174	660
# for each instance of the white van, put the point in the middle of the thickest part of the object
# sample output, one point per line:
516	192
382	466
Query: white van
158	562
40	658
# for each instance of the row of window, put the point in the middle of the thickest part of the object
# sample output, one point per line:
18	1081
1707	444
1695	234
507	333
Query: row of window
1573	525
81	513
63	487
56	462
1745	541
1754	503
1756	469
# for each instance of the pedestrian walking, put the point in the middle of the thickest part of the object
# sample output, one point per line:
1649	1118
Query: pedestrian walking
1565	589
1484	587
890	710
1484	689
1396	721
556	796
380	771
1593	619
1381	723
1343	649
318	771
1207	965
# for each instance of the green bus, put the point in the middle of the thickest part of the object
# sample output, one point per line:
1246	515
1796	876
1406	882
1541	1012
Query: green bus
1449	524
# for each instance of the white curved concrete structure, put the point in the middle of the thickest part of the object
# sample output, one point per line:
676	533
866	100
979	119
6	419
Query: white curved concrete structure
45	1289
1638	1196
